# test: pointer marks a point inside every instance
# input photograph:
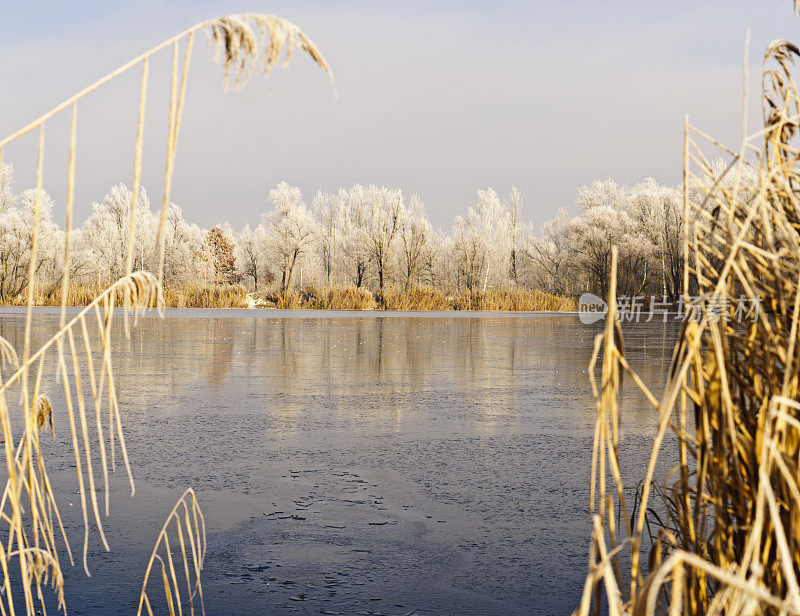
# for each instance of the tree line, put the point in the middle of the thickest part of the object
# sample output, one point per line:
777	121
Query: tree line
365	236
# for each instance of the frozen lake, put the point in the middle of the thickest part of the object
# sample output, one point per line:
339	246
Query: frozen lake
434	464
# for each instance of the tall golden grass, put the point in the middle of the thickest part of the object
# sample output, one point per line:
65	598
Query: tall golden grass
31	529
514	300
336	298
720	533
206	296
420	298
184	296
332	298
415	298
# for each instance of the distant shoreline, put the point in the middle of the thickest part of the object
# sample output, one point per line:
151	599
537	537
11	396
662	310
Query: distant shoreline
345	298
46	311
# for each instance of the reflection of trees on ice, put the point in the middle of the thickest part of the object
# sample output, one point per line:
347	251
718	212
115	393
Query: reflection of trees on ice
370	355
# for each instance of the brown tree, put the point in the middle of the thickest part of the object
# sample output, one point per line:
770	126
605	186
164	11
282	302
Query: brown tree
218	250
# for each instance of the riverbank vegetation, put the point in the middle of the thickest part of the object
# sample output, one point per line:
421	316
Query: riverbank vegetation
420	298
373	239
332	298
716	533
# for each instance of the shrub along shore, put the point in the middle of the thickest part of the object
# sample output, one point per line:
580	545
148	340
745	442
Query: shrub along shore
334	298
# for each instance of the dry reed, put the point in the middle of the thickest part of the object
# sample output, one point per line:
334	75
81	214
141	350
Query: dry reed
184	296
31	530
206	296
513	300
415	298
334	298
420	298
186	524
719	533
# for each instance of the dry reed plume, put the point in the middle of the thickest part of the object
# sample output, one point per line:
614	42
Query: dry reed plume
719	533
32	535
191	536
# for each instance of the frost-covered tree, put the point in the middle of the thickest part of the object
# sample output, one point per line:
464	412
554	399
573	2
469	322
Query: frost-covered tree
471	250
495	221
16	231
385	215
7	196
290	231
483	243
182	242
605	221
104	235
602	193
415	237
513	204
251	255
372	237
551	252
327	210
355	219
658	215
592	236
438	268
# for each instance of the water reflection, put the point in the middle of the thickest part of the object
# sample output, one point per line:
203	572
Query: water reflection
220	354
468	436
379	368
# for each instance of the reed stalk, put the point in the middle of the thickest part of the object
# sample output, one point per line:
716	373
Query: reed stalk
718	533
32	534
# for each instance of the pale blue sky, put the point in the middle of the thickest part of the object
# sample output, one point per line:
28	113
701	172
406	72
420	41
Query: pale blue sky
438	98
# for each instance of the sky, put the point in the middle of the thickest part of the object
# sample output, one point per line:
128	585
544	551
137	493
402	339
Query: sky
438	98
